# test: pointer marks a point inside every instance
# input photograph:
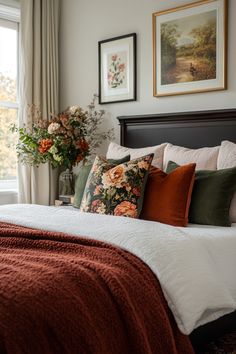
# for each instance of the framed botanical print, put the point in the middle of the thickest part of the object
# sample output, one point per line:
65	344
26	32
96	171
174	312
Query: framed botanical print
190	48
117	69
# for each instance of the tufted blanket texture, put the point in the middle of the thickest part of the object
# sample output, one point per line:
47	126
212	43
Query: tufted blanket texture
67	294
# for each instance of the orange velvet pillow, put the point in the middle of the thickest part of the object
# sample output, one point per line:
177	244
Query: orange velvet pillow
167	196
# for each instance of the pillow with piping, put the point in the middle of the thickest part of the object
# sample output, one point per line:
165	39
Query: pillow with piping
116	151
82	176
116	190
227	159
212	195
205	158
167	196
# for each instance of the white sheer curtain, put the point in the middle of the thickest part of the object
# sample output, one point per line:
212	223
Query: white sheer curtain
39	85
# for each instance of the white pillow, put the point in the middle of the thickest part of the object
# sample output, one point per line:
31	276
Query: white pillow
205	158
116	151
227	159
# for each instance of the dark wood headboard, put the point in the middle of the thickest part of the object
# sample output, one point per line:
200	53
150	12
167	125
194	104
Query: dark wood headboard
193	130
189	129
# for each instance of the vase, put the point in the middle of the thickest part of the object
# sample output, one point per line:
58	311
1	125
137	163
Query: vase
66	183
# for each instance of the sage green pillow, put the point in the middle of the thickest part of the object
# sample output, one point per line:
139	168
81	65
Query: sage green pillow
81	179
211	196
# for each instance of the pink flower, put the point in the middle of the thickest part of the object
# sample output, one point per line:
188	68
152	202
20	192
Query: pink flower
114	57
126	209
98	207
136	191
122	67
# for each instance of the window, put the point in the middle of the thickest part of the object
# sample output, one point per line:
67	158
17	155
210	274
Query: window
9	29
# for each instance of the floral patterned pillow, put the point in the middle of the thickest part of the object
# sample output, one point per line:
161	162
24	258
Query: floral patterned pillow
116	190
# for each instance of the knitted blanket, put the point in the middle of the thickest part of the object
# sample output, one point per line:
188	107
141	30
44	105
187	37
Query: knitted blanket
64	294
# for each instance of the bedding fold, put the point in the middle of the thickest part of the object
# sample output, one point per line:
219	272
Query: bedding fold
68	294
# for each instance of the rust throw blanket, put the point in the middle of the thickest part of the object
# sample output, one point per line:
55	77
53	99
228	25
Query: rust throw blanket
64	294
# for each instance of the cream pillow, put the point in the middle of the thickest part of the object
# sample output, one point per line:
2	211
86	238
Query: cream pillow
205	158
227	159
116	151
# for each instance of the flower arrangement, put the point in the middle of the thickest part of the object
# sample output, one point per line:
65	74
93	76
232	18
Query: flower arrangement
64	140
116	73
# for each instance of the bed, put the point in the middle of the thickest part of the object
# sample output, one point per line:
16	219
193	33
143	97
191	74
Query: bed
209	253
194	130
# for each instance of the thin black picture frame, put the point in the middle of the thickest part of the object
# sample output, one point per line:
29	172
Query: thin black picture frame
132	95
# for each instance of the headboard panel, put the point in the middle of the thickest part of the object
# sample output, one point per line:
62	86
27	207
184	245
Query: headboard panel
193	130
189	129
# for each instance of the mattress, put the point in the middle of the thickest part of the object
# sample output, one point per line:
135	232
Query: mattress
195	265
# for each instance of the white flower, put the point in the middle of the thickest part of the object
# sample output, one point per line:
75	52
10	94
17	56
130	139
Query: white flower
143	164
53	127
57	157
73	109
53	150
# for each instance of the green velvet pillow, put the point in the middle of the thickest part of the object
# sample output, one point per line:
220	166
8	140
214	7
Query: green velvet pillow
116	190
81	179
211	196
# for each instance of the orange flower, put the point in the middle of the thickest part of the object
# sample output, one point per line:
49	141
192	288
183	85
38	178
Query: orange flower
114	177
45	145
82	145
97	190
126	208
79	158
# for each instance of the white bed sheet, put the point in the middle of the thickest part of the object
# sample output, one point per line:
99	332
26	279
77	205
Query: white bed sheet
195	265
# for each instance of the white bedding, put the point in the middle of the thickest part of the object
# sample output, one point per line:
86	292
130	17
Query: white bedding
195	265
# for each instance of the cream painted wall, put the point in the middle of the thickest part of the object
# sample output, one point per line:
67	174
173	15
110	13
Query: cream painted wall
85	22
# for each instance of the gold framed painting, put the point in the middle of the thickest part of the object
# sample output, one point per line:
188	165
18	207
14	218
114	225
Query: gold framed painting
190	48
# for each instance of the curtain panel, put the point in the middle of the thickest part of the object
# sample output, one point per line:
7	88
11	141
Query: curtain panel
39	85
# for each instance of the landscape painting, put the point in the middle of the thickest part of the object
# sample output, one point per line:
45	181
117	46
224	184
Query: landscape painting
189	53
188	49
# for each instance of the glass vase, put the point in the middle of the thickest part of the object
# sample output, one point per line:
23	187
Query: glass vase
66	183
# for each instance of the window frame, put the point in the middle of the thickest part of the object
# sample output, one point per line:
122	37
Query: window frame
10	18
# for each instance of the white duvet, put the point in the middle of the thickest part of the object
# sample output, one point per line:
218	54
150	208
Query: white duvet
196	266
